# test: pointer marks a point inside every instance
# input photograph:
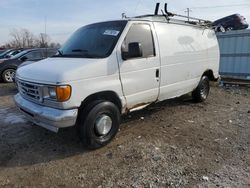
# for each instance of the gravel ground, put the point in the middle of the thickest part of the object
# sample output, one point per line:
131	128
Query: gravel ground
176	143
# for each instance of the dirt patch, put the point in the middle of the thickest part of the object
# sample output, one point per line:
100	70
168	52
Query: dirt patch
176	143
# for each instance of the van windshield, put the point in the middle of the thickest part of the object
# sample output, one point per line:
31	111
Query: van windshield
93	41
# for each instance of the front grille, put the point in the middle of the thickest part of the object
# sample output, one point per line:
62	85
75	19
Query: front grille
30	90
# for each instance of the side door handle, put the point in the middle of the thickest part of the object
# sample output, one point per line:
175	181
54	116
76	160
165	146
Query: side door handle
157	73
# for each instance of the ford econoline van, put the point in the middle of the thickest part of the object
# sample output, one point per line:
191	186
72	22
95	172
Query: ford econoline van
111	68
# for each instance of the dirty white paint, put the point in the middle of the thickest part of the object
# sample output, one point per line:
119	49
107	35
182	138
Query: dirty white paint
8	117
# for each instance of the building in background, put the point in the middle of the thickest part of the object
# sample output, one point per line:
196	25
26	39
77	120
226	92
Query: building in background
235	54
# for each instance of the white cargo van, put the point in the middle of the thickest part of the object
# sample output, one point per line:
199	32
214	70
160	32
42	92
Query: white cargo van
112	68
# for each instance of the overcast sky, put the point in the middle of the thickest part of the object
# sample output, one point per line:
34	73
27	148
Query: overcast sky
65	16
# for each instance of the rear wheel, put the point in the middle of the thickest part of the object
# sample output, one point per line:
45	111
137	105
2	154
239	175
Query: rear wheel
8	75
99	124
200	94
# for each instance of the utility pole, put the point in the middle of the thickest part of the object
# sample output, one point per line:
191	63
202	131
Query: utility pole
188	12
45	32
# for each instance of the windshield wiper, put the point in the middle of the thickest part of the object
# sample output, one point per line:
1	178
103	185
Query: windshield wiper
79	50
83	53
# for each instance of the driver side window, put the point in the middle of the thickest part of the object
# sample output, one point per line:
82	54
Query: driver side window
140	33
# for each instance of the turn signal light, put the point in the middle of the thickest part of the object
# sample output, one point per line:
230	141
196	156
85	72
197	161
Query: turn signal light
63	93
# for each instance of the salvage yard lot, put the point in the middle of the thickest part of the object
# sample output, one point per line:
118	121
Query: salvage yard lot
176	143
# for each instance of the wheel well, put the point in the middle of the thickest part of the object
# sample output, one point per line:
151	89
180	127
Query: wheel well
4	69
105	95
210	75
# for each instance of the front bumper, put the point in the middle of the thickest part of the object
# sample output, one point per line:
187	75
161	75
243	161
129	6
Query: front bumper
46	117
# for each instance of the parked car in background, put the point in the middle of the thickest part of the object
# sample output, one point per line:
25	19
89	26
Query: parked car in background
2	51
3	54
13	53
25	63
10	53
233	22
8	66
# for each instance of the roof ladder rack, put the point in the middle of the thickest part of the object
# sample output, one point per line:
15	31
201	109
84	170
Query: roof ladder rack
191	20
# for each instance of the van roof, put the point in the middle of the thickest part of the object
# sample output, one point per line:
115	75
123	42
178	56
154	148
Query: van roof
165	19
148	17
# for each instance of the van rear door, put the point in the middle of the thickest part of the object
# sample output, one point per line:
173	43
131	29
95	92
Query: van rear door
140	74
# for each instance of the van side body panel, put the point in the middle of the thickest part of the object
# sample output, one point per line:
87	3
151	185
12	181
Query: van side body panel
186	53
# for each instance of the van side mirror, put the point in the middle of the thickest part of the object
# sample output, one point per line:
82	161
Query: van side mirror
24	58
134	51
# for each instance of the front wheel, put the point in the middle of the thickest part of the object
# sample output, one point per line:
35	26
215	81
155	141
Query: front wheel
8	75
200	94
99	125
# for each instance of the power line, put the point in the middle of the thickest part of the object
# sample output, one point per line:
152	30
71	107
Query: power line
138	3
222	6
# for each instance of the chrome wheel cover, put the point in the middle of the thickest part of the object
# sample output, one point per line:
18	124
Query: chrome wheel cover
204	89
9	75
103	125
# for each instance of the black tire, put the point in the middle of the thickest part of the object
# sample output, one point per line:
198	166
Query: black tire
87	123
8	75
200	94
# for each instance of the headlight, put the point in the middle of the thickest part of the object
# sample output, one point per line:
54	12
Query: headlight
58	93
52	92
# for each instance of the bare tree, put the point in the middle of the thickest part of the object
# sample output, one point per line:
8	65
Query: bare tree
17	41
54	45
28	38
43	40
22	38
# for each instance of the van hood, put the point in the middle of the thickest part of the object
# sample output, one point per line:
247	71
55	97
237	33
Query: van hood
61	70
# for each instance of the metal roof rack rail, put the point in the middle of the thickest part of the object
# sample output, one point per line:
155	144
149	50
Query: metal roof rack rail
169	16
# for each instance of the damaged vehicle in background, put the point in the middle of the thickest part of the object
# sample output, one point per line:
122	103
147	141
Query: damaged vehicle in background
8	67
233	22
